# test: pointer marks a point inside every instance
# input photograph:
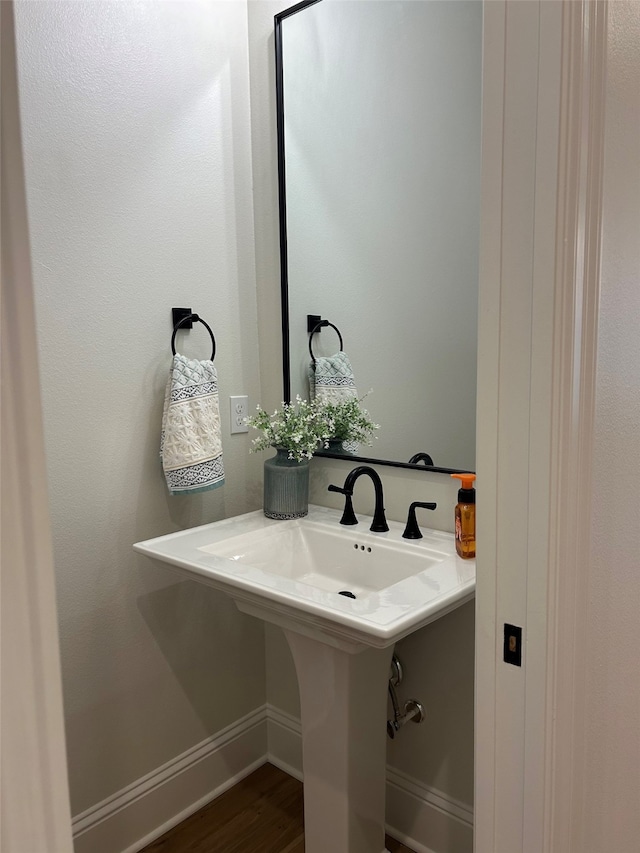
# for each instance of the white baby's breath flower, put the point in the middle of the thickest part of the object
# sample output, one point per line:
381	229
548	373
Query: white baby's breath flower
297	427
348	421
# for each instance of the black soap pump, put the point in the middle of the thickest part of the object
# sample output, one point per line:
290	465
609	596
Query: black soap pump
465	517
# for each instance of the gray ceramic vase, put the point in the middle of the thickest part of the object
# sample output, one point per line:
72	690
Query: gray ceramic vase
286	486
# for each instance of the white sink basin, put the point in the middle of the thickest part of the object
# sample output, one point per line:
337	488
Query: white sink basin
332	560
291	573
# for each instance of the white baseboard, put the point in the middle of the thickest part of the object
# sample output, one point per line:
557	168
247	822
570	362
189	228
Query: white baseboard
284	741
144	810
432	822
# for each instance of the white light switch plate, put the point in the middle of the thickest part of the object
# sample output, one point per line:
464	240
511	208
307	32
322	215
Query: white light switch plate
238	411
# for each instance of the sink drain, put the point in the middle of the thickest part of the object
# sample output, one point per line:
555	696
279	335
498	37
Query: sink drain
346	593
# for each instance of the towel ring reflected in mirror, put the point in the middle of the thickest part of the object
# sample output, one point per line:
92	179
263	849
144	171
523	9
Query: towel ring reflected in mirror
322	325
193	318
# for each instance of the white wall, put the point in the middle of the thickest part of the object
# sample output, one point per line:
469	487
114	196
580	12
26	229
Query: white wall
611	819
439	659
138	168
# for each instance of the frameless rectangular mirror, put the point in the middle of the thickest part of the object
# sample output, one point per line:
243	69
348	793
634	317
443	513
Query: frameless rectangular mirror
379	177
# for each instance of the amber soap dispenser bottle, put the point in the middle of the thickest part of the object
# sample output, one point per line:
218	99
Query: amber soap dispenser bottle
465	514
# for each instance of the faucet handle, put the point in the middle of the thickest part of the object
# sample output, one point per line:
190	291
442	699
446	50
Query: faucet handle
412	531
342	491
348	515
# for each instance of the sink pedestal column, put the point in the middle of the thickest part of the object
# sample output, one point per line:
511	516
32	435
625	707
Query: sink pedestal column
343	698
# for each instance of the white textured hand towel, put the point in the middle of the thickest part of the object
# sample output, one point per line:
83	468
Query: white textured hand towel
191	441
331	379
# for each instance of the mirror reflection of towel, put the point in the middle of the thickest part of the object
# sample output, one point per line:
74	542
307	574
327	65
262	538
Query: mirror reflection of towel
191	441
332	380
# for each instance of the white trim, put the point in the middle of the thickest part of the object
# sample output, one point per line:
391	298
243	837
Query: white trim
578	274
35	795
137	815
284	739
541	211
133	817
514	349
165	773
488	401
433	821
436	823
430	796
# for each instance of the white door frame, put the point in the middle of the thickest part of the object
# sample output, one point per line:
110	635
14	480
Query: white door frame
543	125
35	796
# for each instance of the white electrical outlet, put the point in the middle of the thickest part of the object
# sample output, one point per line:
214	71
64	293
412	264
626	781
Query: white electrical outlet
238	411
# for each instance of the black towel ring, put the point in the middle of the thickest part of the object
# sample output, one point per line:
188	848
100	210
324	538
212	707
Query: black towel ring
194	318
322	324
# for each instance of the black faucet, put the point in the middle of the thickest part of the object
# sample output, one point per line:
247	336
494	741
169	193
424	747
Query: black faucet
379	524
412	531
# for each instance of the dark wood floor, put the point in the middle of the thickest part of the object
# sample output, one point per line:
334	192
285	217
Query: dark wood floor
261	814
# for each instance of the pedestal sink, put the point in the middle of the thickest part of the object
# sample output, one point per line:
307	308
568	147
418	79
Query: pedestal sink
292	574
